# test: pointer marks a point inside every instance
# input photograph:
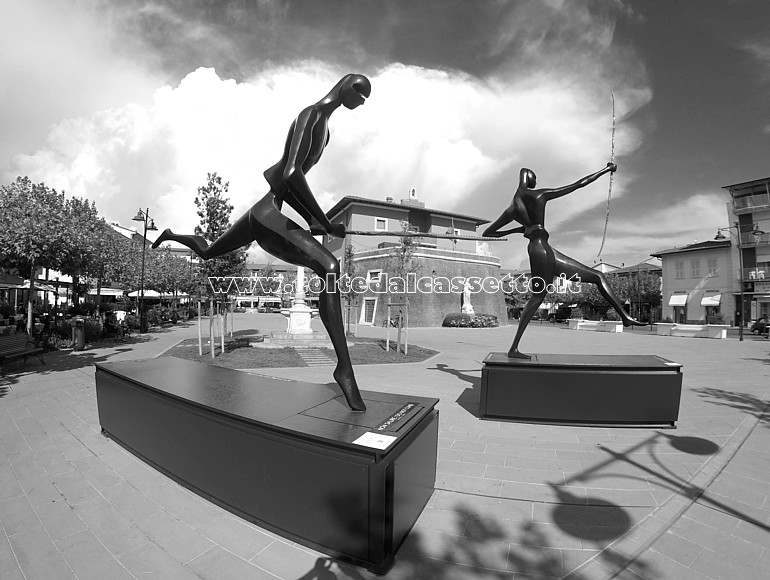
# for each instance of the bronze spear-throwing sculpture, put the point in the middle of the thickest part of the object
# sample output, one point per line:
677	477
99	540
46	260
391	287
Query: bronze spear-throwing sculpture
528	209
282	237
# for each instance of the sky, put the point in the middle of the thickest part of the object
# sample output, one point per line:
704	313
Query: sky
130	104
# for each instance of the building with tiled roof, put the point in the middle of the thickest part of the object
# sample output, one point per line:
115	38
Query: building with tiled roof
436	258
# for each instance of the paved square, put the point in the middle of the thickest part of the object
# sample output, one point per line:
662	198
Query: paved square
512	500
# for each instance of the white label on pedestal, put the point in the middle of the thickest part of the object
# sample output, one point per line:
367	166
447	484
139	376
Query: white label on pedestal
375	440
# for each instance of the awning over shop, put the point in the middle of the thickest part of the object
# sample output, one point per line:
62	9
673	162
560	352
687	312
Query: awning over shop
106	292
711	300
152	294
39	286
678	299
10	281
269	299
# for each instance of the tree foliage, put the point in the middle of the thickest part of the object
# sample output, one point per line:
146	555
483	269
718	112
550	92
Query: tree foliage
110	257
270	284
35	229
638	286
349	269
92	252
169	274
35	233
403	261
214	211
163	271
49	231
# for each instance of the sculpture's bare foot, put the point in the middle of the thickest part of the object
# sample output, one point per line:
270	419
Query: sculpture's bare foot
633	322
166	235
514	353
347	382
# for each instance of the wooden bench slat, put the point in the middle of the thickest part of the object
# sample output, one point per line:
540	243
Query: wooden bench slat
19	345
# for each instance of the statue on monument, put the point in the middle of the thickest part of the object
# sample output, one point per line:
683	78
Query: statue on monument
285	239
467	307
528	209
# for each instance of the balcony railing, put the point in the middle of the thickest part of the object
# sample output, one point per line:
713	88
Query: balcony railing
751	202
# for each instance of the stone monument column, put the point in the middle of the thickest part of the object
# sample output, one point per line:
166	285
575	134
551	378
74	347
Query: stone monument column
300	313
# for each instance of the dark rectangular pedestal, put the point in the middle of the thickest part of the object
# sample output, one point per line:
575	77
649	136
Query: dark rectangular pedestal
581	389
287	455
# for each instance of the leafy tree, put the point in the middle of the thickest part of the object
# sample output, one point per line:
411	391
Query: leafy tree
647	286
129	275
402	261
268	284
349	269
109	258
167	273
214	211
593	302
36	230
644	287
88	252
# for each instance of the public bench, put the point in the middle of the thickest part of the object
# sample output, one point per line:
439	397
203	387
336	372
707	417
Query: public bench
17	346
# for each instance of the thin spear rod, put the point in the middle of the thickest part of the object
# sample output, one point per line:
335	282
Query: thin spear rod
424	235
609	191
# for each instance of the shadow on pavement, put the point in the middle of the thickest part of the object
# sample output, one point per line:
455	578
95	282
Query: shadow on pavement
469	398
663	476
321	571
61	360
473	544
762	360
496	548
743	402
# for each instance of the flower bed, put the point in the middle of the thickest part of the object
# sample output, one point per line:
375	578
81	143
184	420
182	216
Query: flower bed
460	320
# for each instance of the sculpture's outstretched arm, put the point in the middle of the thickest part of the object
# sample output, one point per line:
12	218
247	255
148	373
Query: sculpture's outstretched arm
550	194
501	233
493	230
294	175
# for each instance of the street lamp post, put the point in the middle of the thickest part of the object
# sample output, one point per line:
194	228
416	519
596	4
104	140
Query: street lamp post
144	217
757	233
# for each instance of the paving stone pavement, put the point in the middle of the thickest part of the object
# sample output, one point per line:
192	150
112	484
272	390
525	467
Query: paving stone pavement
512	501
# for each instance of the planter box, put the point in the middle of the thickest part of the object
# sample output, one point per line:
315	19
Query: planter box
664	328
596	325
718	331
286	455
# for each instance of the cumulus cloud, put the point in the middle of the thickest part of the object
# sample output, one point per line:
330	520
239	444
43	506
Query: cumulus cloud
760	51
58	62
631	238
448	135
459	139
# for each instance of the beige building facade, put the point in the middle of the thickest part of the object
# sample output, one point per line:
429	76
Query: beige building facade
698	283
749	228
